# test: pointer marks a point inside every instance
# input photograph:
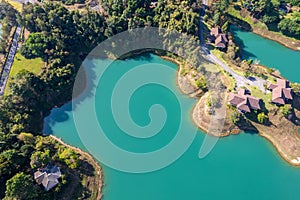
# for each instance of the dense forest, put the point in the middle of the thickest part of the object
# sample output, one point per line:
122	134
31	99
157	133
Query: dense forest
63	38
8	19
277	15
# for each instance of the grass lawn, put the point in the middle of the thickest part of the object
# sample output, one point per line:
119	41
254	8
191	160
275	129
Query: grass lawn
18	6
220	55
20	63
210	67
231	81
266	98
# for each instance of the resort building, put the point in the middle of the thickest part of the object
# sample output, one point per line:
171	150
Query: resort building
284	7
220	39
48	176
153	4
281	91
243	101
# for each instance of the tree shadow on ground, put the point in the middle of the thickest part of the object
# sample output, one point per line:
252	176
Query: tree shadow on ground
246	126
57	115
295	109
273	27
86	168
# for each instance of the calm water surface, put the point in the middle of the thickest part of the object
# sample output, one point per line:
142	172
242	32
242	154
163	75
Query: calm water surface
242	167
269	53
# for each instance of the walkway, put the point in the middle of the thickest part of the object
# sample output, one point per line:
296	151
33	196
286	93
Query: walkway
9	60
240	80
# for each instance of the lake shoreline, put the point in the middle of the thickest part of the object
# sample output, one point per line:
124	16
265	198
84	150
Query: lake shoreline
91	160
180	84
274	37
286	41
278	149
270	36
201	119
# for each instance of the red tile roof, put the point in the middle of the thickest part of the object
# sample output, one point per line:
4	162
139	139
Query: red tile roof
221	41
271	86
281	91
254	102
283	83
215	31
244	102
287	92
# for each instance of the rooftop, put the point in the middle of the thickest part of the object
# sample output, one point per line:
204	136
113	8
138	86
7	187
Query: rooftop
281	91
48	176
243	101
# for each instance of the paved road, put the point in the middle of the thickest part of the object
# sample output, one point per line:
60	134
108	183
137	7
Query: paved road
9	60
25	1
240	80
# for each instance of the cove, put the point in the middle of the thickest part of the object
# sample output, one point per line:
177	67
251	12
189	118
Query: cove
268	53
242	167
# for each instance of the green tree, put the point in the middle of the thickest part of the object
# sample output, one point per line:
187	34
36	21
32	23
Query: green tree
247	74
289	27
225	27
286	110
262	118
69	157
21	186
271	17
27	138
296	88
201	83
35	46
40	158
235	116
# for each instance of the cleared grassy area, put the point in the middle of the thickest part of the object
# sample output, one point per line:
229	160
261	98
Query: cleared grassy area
210	67
18	6
32	65
231	81
20	63
266	97
220	55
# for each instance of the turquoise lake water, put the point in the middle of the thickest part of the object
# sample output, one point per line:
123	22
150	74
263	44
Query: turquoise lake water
269	53
242	167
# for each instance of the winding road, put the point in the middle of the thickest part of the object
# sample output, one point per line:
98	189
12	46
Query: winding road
9	60
240	80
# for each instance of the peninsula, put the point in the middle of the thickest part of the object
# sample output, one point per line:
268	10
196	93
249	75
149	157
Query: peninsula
258	99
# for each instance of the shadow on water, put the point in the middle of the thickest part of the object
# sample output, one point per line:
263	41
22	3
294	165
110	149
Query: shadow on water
144	55
251	132
86	79
57	115
83	88
239	41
